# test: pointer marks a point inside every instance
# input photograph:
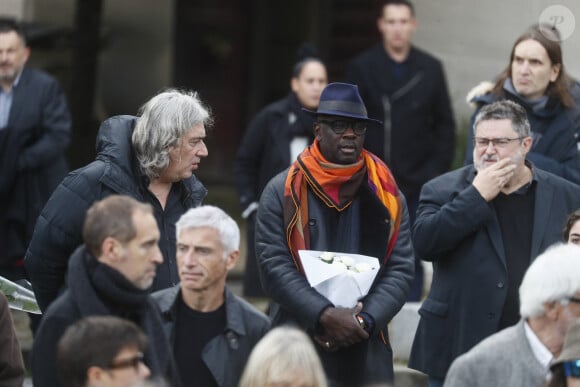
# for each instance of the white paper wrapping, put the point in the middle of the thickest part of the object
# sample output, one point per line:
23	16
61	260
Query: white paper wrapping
342	287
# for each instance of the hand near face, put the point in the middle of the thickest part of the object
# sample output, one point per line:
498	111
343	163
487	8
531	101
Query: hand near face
489	181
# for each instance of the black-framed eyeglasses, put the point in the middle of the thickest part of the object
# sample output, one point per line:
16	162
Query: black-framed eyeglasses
133	361
483	142
340	126
572	368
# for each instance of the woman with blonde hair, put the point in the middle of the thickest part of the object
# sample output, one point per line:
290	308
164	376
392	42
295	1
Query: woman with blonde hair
285	357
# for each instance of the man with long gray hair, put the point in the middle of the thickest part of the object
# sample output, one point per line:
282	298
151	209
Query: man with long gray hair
151	158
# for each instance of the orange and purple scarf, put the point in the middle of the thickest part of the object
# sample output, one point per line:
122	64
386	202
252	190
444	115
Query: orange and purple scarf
336	185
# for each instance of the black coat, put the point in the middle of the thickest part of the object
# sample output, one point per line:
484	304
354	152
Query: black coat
82	299
263	153
459	232
226	354
115	171
301	304
423	128
32	158
265	148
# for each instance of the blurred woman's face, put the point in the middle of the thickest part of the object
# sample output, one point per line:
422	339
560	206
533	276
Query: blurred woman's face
309	84
574	236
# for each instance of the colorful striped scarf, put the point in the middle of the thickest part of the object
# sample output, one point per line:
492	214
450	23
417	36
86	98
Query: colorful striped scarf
336	186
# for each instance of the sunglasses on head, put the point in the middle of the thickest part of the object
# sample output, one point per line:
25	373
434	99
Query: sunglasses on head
572	368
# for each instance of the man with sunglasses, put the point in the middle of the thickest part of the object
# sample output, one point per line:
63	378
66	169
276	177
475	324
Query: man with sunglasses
521	354
481	226
111	274
337	197
104	351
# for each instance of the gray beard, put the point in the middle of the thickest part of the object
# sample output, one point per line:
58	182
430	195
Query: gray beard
9	78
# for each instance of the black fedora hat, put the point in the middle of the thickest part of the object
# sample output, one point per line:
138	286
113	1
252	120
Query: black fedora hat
343	100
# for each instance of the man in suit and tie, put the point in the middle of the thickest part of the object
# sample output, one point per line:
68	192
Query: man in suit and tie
481	226
34	133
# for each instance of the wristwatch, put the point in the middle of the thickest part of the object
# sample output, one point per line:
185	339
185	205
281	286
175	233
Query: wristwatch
361	321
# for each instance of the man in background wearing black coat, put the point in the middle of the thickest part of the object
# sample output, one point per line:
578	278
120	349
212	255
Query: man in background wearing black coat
34	133
405	88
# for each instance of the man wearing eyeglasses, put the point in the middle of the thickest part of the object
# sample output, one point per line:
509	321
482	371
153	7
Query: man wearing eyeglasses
337	197
481	226
111	274
102	351
521	354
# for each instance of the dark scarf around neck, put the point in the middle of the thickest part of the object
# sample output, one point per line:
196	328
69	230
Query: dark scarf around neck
99	289
114	288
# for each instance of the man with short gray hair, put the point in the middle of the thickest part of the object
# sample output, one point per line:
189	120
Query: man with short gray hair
481	226
212	331
151	158
520	355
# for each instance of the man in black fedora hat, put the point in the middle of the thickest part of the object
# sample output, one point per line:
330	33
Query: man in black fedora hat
337	197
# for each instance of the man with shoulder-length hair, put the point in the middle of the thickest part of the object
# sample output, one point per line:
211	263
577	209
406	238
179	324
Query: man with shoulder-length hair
151	158
481	226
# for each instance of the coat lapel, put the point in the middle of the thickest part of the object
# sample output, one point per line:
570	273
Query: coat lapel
493	230
18	101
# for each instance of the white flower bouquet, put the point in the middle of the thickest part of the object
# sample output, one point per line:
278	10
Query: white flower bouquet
342	278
